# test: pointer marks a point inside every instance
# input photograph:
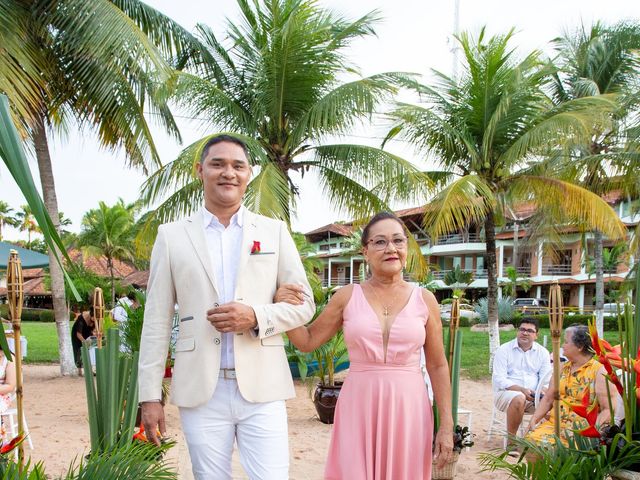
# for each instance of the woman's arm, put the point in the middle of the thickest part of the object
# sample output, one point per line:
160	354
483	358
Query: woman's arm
438	370
543	407
307	339
605	414
9	385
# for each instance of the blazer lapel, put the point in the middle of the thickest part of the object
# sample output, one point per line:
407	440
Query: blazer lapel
195	232
249	235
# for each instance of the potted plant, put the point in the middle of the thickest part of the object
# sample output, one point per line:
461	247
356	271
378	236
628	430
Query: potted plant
329	357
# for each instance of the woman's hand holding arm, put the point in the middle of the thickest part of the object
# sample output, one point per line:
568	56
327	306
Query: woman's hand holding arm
308	338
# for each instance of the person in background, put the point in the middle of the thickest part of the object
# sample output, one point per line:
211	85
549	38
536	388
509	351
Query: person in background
580	373
82	329
7	388
518	367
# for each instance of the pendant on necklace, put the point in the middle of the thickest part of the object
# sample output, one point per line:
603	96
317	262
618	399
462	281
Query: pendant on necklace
386	312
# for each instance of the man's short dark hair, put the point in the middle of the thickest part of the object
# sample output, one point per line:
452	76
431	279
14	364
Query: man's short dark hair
223	138
530	320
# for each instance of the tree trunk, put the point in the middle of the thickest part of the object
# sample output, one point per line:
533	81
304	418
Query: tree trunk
61	312
599	311
492	286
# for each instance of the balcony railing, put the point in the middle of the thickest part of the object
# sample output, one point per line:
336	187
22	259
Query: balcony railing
340	282
459	238
557	269
522	271
477	274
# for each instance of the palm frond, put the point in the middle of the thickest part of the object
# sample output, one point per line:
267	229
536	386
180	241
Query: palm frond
572	203
269	194
465	201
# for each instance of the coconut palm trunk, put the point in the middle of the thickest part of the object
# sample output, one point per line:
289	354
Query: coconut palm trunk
61	311
599	311
492	285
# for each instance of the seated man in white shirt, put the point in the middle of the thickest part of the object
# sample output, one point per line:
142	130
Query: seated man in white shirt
518	367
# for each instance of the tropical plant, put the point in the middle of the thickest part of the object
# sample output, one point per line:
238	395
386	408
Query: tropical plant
610	259
96	64
483	127
84	280
277	83
27	222
112	394
107	231
512	283
429	282
598	61
131	330
6	218
458	279
311	264
579	460
505	310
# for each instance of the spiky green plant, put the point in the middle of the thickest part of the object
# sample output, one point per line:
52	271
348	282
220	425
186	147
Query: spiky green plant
112	394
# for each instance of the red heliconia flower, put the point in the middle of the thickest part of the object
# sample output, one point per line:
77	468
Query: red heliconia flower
255	248
595	340
590	431
6	448
611	374
140	436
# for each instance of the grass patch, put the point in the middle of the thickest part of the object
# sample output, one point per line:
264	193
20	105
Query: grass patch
42	342
475	350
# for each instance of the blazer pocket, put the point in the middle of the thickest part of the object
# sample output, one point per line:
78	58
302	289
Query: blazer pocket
273	341
185	344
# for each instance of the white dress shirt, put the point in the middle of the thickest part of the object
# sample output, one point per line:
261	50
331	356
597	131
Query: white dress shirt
224	244
514	366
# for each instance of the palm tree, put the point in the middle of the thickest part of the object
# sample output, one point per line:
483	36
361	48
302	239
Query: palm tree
601	61
278	84
483	128
93	63
27	222
6	218
108	232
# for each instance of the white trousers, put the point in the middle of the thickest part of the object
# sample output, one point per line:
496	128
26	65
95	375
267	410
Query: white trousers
260	430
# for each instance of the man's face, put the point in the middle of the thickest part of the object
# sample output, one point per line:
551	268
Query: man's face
527	334
225	173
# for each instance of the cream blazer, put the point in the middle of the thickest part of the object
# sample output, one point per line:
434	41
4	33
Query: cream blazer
182	274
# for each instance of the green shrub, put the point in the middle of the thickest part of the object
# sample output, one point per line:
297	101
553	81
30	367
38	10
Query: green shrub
610	323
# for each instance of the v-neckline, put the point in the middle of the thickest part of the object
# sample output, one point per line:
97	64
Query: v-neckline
385	347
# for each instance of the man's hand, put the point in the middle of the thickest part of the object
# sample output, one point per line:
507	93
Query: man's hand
529	394
232	317
290	293
153	419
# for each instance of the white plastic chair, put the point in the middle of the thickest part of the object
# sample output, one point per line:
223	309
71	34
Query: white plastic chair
10	420
498	422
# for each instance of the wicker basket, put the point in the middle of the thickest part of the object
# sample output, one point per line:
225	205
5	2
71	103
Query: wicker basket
447	472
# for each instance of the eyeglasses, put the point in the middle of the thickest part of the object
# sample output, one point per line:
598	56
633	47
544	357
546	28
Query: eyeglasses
381	243
527	330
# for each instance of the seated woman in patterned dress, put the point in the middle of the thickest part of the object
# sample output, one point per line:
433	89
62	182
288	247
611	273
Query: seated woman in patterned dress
581	372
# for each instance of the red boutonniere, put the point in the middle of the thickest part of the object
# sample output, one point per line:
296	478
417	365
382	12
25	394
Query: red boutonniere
255	248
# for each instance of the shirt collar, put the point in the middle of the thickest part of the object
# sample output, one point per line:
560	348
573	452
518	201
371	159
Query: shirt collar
515	346
210	220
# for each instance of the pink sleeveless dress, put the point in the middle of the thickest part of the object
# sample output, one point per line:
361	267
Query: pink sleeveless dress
383	426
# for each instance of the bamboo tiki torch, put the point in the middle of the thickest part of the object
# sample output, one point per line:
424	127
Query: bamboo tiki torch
454	322
15	292
98	311
555	323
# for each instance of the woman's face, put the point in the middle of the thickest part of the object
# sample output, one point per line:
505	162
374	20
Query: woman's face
570	350
386	248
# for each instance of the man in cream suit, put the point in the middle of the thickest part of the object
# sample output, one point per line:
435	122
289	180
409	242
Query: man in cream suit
222	266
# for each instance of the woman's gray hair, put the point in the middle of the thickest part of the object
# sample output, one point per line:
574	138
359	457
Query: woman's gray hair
580	337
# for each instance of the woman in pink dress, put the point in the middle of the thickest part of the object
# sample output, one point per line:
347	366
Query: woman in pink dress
383	424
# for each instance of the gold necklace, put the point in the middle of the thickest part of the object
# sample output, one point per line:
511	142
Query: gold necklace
385	308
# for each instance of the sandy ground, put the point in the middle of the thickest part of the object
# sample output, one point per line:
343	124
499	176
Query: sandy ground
56	414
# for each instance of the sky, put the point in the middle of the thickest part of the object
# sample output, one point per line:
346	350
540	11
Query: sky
412	36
